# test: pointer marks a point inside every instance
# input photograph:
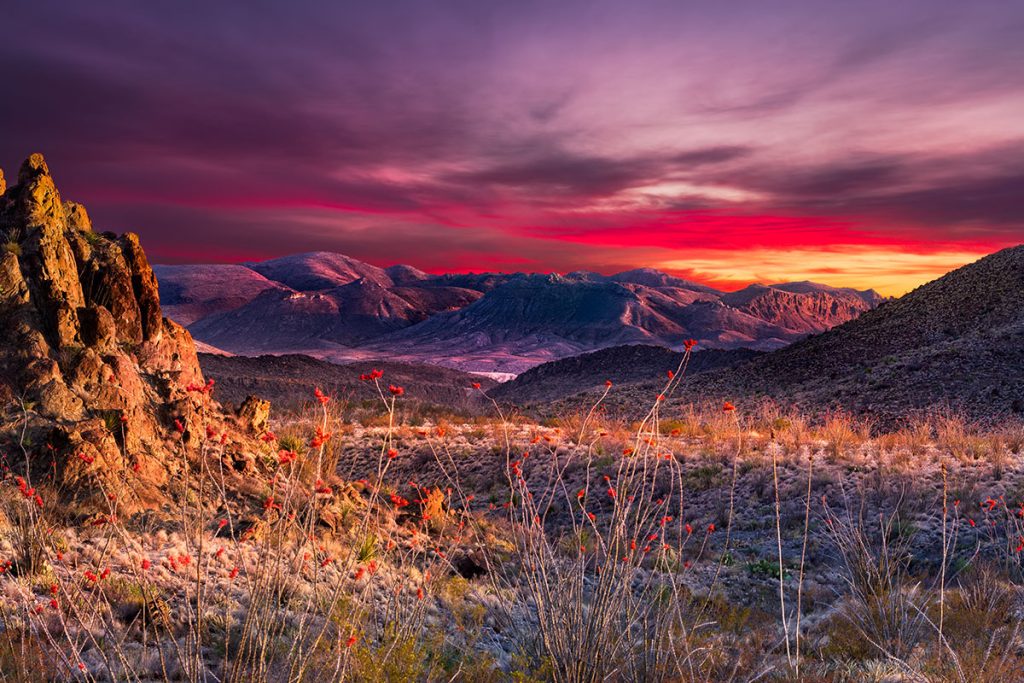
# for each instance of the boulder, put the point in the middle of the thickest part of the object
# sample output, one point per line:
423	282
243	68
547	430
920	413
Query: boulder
254	414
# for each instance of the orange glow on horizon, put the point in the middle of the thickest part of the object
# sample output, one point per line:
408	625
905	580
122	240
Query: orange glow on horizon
889	271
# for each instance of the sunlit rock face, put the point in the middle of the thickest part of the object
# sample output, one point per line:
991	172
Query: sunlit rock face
100	376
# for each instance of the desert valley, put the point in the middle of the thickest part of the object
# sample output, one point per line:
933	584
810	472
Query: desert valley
586	341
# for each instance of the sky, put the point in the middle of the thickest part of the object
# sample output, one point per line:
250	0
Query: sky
868	144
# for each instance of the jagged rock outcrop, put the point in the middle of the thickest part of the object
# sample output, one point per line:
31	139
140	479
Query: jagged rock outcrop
84	349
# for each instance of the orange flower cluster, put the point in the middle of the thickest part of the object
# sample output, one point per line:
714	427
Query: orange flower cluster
321	438
29	492
201	389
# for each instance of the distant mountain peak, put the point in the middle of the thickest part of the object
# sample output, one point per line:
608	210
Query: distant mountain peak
403	274
316	270
652	277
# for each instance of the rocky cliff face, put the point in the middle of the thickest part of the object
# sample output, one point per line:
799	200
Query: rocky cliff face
96	372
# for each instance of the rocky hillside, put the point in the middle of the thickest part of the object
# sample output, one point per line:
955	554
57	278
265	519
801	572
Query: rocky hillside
956	342
94	374
341	309
286	381
622	365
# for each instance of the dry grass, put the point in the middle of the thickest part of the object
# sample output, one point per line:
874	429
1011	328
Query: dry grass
702	545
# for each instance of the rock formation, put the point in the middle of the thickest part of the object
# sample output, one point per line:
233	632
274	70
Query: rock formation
97	376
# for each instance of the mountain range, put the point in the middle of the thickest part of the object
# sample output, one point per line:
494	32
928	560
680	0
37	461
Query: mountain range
341	309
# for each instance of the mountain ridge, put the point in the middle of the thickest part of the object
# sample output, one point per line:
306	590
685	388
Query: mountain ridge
339	308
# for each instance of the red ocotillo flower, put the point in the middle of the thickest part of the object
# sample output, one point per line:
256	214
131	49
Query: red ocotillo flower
395	390
689	344
321	438
321	396
728	407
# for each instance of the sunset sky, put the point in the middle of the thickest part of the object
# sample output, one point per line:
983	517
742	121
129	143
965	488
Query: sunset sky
873	144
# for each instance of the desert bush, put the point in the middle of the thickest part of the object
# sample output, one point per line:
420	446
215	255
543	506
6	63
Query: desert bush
885	606
982	626
958	437
1013	437
615	606
842	431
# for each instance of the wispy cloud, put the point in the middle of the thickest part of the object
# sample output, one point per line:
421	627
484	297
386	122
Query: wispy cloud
564	135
